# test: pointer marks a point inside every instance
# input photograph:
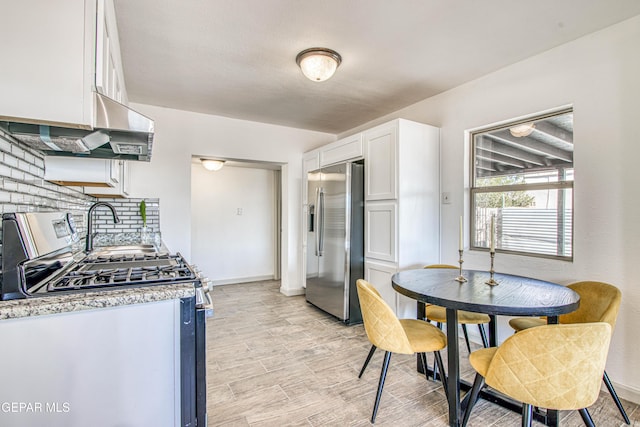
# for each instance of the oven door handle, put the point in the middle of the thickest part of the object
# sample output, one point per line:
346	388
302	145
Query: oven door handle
203	299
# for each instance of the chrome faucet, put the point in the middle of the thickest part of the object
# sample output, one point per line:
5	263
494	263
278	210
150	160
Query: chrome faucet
89	238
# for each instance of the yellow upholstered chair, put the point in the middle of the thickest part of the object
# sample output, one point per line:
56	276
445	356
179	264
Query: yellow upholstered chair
438	314
552	366
599	302
393	335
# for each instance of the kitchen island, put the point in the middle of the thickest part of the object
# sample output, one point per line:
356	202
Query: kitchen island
101	358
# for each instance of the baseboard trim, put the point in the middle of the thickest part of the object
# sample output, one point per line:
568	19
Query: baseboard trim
241	280
292	292
630	394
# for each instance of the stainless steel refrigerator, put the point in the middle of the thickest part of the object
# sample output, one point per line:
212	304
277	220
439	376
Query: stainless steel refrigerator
335	239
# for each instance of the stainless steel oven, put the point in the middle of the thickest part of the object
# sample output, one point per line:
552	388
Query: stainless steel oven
42	256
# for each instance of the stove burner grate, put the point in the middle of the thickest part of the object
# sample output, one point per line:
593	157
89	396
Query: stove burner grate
128	270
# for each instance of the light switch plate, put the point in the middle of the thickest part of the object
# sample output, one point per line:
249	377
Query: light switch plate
446	198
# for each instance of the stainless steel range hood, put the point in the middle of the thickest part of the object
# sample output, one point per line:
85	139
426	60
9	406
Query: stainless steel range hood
119	132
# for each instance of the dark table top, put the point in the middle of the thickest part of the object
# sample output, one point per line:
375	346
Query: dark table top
513	296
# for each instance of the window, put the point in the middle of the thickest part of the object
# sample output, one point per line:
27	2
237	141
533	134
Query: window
523	176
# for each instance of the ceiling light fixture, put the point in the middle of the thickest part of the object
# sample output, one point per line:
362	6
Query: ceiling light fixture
212	165
522	130
318	63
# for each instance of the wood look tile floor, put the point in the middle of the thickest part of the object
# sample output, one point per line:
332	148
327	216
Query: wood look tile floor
278	361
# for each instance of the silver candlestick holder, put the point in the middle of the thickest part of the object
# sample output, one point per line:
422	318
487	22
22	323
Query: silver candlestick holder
461	278
491	280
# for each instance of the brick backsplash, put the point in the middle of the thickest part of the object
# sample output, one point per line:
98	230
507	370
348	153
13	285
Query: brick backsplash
129	213
23	189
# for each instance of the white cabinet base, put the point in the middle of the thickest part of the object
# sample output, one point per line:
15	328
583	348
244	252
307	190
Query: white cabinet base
379	275
109	366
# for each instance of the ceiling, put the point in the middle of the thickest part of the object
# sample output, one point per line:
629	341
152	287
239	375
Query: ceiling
236	58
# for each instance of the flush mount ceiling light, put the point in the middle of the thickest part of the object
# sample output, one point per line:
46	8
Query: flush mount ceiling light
522	130
318	63
212	165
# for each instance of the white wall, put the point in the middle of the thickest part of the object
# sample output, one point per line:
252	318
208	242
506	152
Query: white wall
600	76
228	245
181	134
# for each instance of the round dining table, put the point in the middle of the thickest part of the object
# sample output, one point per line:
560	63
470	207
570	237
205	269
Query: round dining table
511	296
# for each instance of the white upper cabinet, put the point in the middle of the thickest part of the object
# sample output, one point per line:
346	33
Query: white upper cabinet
120	189
381	154
344	149
96	177
78	172
109	74
49	67
310	161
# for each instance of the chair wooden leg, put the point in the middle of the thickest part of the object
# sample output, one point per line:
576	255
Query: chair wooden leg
366	362
478	383
586	417
383	376
443	377
527	415
614	395
483	335
466	337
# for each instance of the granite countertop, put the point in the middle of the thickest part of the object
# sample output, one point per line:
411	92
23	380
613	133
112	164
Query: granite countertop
68	302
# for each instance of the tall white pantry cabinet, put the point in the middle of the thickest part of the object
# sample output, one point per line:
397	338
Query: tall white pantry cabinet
402	220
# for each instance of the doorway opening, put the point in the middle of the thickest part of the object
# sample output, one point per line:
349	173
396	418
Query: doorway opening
236	216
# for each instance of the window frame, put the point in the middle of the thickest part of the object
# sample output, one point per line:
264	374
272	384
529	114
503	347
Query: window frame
556	185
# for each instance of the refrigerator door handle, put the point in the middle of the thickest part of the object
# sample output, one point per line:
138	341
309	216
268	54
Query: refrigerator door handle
316	223
320	229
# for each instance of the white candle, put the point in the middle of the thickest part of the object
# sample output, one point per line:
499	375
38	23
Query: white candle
461	238
492	248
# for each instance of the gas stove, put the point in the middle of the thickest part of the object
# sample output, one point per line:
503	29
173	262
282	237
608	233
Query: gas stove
128	270
41	255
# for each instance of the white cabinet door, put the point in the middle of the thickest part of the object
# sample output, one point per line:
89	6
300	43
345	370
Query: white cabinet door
342	150
382	159
48	50
310	162
121	189
73	171
381	240
109	73
379	275
64	49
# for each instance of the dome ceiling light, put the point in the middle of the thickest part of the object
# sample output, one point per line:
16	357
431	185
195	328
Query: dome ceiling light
318	63
522	130
212	165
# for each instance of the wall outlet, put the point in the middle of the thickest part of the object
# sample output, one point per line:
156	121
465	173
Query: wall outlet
239	211
446	198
